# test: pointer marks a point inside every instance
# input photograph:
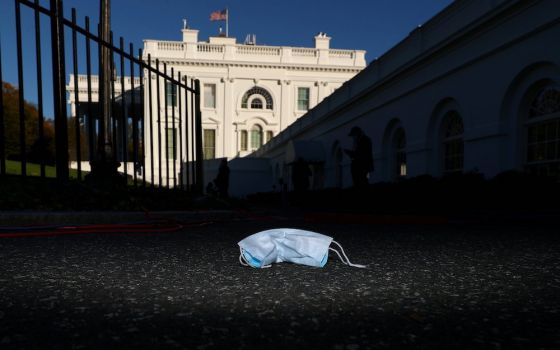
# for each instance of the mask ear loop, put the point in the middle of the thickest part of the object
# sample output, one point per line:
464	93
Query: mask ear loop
243	261
347	262
337	253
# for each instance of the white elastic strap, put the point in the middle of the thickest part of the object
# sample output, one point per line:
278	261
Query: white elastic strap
244	261
347	262
337	253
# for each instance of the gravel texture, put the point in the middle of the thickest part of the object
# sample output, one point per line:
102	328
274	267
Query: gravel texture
426	286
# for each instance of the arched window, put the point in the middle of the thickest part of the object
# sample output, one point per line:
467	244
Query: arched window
543	133
546	103
256	103
452	143
256	137
257	91
399	156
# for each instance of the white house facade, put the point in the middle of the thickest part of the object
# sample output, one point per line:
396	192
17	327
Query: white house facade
476	88
250	92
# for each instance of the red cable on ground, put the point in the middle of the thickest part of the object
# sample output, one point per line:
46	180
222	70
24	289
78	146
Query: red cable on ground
104	228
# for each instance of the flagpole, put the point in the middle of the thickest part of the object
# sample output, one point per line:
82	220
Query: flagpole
227	22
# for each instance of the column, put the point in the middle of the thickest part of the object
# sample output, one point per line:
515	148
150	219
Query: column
286	106
228	110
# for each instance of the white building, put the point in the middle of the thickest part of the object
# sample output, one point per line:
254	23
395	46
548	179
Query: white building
476	88
250	92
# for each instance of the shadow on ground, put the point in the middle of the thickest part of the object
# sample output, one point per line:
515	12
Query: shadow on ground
426	286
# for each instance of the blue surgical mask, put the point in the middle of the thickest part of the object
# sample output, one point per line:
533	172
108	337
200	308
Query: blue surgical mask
263	248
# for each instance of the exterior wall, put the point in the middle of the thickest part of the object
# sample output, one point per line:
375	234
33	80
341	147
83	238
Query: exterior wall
83	89
234	69
491	54
130	168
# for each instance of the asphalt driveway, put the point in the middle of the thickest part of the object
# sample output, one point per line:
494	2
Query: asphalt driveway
426	286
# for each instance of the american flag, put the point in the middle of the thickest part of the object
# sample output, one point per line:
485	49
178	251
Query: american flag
219	15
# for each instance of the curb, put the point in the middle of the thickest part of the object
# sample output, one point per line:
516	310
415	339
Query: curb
110	217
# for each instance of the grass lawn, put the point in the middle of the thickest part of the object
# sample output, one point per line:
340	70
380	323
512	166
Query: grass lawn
35	193
14	168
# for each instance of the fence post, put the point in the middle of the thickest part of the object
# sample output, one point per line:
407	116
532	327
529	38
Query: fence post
59	90
104	168
199	186
2	136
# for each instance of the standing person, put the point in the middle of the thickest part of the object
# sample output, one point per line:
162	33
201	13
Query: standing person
361	156
222	179
300	175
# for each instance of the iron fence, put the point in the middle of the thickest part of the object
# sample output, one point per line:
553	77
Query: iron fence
155	121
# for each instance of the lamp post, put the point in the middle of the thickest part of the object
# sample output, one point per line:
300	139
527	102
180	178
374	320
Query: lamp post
104	167
105	137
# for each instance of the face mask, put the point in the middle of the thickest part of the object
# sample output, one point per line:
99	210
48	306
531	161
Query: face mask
263	248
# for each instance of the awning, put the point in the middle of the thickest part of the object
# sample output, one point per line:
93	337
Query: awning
310	151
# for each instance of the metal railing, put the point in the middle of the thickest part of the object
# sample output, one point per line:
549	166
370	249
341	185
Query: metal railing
135	131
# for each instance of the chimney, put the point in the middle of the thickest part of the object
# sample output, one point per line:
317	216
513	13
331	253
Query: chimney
322	41
190	35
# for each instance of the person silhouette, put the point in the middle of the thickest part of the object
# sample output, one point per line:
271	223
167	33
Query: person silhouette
300	175
222	179
362	157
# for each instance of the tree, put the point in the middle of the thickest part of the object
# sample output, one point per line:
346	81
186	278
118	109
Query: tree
72	147
43	149
36	149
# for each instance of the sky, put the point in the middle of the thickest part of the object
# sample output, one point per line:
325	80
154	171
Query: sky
371	25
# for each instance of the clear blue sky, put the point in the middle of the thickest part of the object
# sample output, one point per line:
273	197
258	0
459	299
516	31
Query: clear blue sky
371	25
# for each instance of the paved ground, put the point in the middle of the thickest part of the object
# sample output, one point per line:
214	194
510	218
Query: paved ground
430	286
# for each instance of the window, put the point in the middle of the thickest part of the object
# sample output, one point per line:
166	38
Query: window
243	140
543	133
209	144
209	96
399	144
546	103
256	103
256	137
171	143
303	99
269	135
452	142
170	94
257	91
